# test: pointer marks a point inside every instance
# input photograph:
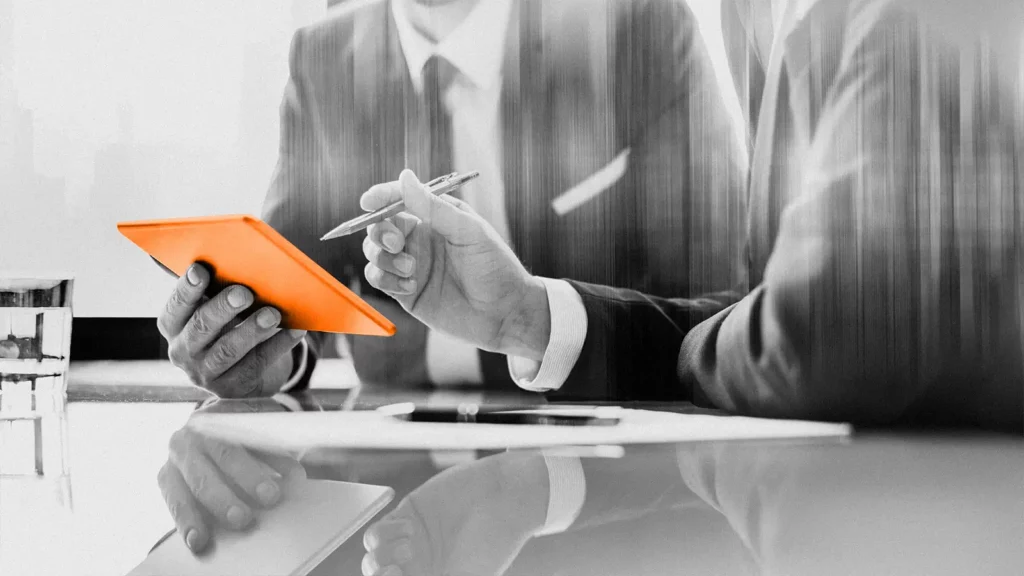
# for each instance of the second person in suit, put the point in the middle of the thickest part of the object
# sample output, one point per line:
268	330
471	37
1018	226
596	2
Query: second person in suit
885	239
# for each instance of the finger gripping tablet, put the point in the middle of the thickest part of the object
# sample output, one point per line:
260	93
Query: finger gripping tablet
241	249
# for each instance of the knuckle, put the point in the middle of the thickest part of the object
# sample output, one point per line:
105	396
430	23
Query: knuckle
163	322
181	358
200	325
394	229
163	475
161	325
224	354
177	510
206	490
175	353
176	445
370	249
373	274
221	356
218	452
176	300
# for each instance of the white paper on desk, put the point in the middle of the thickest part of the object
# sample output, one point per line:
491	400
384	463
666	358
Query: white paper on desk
312	520
296	433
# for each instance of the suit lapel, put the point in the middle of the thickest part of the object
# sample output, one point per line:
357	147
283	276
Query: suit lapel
393	128
771	151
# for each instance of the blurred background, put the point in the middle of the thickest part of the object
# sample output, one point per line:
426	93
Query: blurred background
115	110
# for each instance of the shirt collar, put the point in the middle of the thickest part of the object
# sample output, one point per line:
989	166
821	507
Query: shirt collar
476	47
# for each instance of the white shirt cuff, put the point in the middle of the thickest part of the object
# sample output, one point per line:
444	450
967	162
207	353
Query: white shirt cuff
566	495
300	371
568	333
451	361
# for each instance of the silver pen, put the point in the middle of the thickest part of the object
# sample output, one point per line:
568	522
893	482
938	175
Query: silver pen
438	186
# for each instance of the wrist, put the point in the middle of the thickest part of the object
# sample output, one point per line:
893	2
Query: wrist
525	331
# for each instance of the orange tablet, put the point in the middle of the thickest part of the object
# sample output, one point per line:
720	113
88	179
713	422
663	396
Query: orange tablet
244	250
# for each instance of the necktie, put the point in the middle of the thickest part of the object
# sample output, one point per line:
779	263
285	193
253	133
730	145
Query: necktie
438	75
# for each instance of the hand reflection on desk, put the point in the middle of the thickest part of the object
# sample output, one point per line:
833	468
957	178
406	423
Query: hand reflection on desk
484	518
471	519
717	508
207	481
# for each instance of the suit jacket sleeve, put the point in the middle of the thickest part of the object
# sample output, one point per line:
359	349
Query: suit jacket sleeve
632	344
862	304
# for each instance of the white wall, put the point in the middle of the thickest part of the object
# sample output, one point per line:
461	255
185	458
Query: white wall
125	109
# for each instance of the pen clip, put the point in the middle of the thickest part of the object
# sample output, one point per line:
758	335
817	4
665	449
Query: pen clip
441	180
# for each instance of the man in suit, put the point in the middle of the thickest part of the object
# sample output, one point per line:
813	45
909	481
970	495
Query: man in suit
885	240
605	151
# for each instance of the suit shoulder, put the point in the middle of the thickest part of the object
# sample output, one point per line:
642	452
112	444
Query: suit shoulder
621	15
345	24
642	17
657	8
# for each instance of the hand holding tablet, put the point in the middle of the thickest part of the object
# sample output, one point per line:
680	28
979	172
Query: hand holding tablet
244	299
244	250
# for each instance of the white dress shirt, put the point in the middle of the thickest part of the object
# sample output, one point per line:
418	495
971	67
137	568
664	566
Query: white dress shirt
565	342
476	49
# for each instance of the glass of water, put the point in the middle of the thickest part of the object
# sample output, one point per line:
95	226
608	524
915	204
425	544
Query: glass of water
35	348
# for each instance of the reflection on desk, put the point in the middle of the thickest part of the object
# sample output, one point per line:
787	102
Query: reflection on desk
887	502
884	503
881	506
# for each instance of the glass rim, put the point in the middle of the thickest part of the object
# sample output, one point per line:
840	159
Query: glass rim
32	282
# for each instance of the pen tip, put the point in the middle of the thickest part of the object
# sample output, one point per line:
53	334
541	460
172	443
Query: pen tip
337	233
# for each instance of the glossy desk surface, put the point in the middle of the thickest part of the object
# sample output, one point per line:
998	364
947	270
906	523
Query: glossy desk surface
882	502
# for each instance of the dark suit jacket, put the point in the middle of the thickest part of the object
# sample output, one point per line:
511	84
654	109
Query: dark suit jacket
583	81
885	232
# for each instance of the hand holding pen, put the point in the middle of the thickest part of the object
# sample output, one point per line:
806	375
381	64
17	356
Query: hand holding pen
451	270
